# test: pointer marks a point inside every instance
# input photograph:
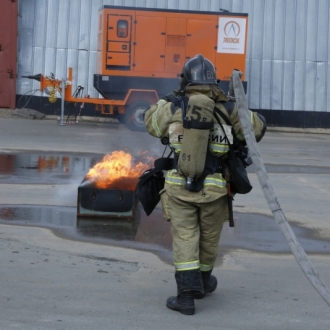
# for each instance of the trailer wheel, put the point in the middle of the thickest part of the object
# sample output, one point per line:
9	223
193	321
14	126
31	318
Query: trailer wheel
121	118
134	115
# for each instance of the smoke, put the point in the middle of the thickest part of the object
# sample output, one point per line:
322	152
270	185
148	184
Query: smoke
66	194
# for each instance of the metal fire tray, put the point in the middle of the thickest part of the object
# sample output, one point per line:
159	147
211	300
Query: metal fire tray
111	203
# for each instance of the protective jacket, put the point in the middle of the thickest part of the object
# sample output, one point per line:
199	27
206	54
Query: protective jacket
164	119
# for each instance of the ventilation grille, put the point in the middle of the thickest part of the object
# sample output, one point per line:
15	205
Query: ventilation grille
176	41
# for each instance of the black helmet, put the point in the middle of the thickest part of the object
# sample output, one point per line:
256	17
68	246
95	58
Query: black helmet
199	70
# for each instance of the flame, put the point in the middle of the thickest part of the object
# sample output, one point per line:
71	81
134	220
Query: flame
116	171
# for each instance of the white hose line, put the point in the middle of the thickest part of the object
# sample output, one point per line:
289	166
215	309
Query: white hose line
297	250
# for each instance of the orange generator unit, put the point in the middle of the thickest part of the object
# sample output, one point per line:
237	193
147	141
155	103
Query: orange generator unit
141	53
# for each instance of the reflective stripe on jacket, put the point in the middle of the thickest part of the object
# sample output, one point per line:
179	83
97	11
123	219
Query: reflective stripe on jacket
174	178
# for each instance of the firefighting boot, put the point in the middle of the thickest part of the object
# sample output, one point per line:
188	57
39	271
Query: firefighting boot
188	282
210	283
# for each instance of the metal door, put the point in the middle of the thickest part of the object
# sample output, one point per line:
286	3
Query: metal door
8	53
175	44
150	44
201	38
118	48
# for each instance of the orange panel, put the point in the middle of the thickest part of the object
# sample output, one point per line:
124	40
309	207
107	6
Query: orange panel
175	44
122	47
202	38
118	40
118	59
176	26
226	63
119	28
150	44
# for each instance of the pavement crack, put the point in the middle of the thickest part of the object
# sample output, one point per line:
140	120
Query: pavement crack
106	259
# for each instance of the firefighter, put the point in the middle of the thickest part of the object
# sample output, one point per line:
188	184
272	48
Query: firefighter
194	197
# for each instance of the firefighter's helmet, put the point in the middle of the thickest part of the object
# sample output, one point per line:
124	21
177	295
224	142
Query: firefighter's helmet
199	70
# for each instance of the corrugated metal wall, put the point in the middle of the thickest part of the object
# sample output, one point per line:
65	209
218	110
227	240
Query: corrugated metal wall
288	45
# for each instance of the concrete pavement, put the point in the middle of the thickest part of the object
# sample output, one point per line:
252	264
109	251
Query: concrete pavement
9	113
52	283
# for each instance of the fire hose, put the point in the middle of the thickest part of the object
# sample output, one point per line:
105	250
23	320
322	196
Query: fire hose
236	90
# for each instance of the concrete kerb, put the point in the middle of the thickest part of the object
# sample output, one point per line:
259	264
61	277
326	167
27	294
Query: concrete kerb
298	130
9	113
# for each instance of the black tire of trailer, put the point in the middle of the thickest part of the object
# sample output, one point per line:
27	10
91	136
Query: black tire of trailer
134	115
121	118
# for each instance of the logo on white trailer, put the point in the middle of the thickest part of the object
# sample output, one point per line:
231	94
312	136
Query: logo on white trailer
231	35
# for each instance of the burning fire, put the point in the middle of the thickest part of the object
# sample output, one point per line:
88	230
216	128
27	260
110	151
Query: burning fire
116	171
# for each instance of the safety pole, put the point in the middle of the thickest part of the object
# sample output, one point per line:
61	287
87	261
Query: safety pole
274	205
62	103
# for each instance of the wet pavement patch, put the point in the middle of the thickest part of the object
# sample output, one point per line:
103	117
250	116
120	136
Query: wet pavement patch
50	168
253	232
57	167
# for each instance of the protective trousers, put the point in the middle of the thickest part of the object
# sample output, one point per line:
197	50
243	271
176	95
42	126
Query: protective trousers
196	229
